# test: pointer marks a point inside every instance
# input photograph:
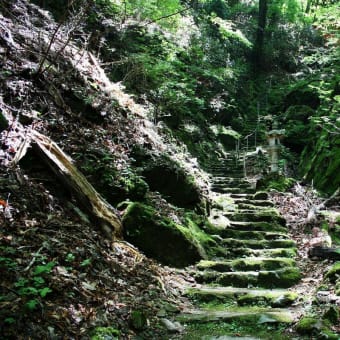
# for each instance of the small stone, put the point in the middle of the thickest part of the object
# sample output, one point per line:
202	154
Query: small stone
172	327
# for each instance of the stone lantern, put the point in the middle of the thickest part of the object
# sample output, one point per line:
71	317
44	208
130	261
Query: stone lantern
274	146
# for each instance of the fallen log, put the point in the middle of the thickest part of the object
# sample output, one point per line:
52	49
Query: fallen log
86	195
325	253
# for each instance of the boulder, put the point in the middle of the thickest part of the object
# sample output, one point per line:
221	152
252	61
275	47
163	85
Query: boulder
159	237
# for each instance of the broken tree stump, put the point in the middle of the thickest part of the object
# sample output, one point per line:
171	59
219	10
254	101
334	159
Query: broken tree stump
78	185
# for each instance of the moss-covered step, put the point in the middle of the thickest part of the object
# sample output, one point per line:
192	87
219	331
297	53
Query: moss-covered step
252	234
256	226
282	278
232	190
258	203
253	314
247	264
274	252
231	243
242	296
258	216
229	184
252	206
231	180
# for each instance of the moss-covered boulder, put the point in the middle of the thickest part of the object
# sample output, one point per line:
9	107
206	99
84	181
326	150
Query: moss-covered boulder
308	325
170	179
227	136
160	238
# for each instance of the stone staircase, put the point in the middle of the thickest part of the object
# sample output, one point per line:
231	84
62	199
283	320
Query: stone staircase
251	277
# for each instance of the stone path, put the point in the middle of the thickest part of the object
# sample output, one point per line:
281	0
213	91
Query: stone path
252	276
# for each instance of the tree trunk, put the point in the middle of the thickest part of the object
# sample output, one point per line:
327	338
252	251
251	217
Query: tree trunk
101	211
261	27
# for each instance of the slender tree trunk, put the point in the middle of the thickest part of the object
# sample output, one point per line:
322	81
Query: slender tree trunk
261	27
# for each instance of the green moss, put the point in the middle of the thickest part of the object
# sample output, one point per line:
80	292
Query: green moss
161	238
268	215
334	273
307	325
244	327
258	264
240	279
269	299
282	278
104	333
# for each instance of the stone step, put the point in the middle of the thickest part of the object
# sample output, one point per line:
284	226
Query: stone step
247	264
246	188
231	185
228	179
227	173
258	216
242	196
232	243
227	190
255	314
232	182
257	203
243	296
255	226
252	207
272	252
281	278
252	234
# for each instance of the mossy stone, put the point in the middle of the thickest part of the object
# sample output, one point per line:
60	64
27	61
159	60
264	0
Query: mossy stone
334	273
307	325
159	237
171	180
284	278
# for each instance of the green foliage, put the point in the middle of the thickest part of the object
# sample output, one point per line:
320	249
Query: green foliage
44	269
99	166
276	182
